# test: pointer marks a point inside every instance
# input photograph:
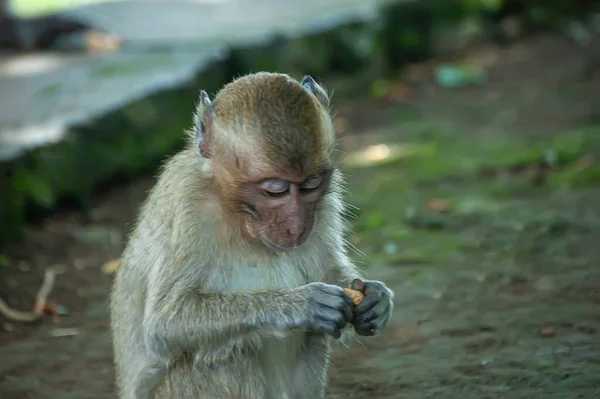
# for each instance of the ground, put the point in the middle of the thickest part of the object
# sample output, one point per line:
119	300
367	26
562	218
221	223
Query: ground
485	222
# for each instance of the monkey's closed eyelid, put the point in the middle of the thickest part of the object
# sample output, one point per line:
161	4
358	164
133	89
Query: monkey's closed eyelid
275	186
313	182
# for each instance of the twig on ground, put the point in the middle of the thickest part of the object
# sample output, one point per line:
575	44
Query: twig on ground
41	303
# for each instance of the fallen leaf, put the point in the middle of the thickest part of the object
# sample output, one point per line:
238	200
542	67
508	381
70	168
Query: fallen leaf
439	205
584	162
548	332
50	307
111	266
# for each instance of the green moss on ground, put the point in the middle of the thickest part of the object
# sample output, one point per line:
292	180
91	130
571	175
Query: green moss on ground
485	185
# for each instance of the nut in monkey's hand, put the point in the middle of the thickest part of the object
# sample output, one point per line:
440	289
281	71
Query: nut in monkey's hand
356	296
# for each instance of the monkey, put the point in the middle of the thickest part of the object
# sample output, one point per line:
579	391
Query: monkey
230	284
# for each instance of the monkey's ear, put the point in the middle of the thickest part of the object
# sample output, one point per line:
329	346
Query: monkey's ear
309	83
203	126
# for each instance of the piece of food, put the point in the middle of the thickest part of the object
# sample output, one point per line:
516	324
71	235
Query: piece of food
357	296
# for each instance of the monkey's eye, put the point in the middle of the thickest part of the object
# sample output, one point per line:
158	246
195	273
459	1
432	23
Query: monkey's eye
275	187
312	182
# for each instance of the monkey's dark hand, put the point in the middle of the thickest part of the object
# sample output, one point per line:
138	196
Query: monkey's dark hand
328	309
373	313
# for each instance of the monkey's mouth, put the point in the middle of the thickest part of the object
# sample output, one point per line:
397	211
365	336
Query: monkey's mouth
301	242
275	247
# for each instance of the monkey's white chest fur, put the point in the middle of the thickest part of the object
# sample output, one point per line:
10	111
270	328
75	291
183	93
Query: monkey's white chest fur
280	274
279	354
288	270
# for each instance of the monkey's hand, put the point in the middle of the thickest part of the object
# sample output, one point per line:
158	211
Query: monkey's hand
373	313
328	309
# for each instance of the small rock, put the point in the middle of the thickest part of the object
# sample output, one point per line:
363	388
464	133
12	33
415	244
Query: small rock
80	264
390	248
551	157
8	327
62	311
24	266
548	332
545	283
64	332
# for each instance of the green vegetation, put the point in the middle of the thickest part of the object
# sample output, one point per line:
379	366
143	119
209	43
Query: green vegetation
444	184
137	137
31	8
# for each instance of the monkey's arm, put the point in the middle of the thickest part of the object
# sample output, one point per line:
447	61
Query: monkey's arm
182	319
179	317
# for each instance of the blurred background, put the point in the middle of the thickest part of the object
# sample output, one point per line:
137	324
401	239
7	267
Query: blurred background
470	133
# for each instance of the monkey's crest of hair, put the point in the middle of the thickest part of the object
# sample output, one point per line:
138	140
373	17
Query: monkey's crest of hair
268	113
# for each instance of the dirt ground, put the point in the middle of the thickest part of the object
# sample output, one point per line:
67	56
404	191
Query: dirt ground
493	254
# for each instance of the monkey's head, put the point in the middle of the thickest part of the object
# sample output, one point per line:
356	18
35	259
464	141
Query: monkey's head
269	141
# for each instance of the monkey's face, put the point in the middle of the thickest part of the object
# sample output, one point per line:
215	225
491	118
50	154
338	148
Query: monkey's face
281	213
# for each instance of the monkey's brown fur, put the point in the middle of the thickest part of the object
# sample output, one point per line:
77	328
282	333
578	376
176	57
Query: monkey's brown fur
204	305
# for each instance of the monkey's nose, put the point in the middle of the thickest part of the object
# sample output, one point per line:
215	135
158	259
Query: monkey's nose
295	235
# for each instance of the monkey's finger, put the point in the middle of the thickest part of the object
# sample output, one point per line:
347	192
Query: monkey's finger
348	300
342	304
328	327
348	313
376	318
333	316
368	303
367	330
380	313
327	292
366	317
358	285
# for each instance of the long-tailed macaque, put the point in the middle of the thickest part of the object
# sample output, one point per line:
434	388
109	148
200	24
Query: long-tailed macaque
231	283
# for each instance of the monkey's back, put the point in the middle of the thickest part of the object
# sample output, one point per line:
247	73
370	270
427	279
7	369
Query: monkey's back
127	301
146	252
